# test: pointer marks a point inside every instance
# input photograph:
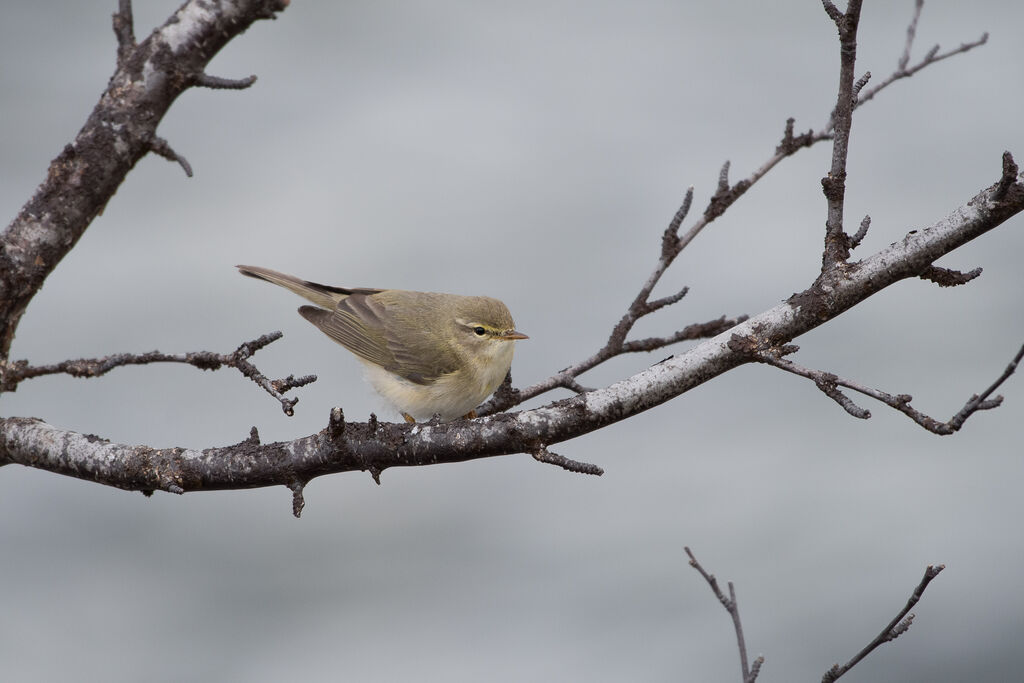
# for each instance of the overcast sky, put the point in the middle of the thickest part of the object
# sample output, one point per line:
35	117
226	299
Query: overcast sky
534	152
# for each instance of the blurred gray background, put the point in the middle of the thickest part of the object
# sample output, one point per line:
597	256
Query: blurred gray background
531	151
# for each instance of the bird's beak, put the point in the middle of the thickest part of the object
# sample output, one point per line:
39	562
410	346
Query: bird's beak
513	335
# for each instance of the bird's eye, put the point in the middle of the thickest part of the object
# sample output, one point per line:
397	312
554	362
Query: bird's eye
479	331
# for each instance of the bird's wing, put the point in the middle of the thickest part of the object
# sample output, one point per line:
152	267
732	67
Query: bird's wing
391	341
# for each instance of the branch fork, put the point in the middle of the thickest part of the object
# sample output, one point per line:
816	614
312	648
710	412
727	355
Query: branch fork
128	51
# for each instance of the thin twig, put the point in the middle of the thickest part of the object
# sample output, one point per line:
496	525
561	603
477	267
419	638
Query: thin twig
861	82
945	277
124	29
861	233
298	500
828	383
690	332
217	83
832	10
982	401
13	373
833	185
542	454
1008	177
732	607
160	146
911	33
893	630
933	56
576	387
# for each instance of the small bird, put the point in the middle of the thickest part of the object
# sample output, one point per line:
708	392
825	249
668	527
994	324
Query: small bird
424	352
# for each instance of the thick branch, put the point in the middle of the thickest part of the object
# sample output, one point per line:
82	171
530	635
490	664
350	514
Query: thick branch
373	446
119	132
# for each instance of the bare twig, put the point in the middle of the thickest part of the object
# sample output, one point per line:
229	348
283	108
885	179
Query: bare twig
124	29
160	146
690	332
837	248
982	401
828	383
542	454
671	237
574	386
217	83
861	82
911	33
298	500
13	373
893	630
1008	177
731	606
945	277
832	10
791	143
667	300
861	233
932	56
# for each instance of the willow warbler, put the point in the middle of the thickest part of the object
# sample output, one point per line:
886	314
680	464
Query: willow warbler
424	352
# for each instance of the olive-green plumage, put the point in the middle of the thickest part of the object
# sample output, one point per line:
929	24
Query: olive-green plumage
427	353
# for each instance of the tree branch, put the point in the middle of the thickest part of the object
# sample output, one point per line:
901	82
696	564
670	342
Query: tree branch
732	607
120	131
837	246
376	446
217	83
933	56
828	383
726	195
161	147
893	630
124	29
945	277
11	374
544	455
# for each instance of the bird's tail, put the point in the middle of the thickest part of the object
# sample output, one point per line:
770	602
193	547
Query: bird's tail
322	295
